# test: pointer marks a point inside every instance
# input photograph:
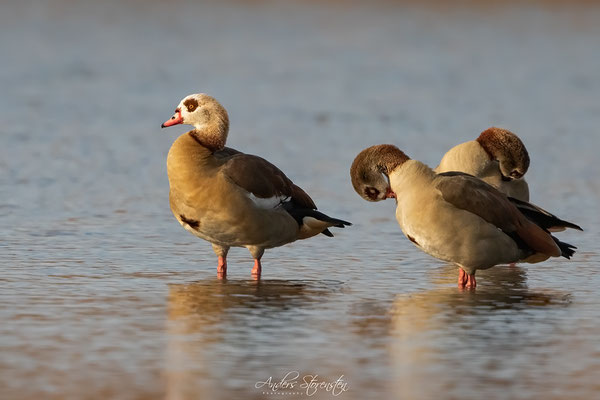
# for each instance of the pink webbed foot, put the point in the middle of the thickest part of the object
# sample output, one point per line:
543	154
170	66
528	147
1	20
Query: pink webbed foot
222	268
257	269
466	280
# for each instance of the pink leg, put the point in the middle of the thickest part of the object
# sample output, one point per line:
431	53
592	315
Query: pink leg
222	268
257	269
462	278
466	280
471	282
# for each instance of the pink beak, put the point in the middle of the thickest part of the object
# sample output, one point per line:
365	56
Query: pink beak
176	119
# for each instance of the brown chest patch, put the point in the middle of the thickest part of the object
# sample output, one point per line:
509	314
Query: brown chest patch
191	104
191	222
412	239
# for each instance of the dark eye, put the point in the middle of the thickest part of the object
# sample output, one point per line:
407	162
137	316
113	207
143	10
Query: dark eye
371	193
191	104
516	174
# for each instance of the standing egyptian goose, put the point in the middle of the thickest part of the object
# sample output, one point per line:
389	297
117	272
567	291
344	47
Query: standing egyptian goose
457	217
497	156
230	198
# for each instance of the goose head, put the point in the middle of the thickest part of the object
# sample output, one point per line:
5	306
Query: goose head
508	150
371	168
208	117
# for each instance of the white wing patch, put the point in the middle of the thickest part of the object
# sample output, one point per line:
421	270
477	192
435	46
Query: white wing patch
269	202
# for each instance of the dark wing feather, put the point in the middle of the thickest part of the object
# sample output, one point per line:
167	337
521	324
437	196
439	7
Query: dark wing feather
542	217
466	192
301	198
263	179
469	193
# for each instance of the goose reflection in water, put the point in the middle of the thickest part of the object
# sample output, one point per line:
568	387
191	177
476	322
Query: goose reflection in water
451	343
212	322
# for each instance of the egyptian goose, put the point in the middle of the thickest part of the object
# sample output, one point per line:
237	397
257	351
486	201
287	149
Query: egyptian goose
455	216
230	198
497	156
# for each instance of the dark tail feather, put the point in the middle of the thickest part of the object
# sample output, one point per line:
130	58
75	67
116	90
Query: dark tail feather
327	232
566	249
300	213
338	223
541	217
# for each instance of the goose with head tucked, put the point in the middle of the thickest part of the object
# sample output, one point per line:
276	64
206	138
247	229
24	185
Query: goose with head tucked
232	199
497	157
457	217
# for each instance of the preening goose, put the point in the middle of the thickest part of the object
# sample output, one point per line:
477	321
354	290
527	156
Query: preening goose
230	198
497	157
455	216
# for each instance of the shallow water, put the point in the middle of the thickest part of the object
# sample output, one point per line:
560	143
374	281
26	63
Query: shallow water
105	296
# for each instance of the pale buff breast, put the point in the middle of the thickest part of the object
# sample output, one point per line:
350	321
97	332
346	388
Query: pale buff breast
468	157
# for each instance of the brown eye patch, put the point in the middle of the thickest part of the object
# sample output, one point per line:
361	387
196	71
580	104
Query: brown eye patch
191	104
371	193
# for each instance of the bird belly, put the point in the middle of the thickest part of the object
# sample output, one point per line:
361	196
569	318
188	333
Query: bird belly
458	236
234	223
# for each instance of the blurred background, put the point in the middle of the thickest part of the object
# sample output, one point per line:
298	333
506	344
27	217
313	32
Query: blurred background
103	295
